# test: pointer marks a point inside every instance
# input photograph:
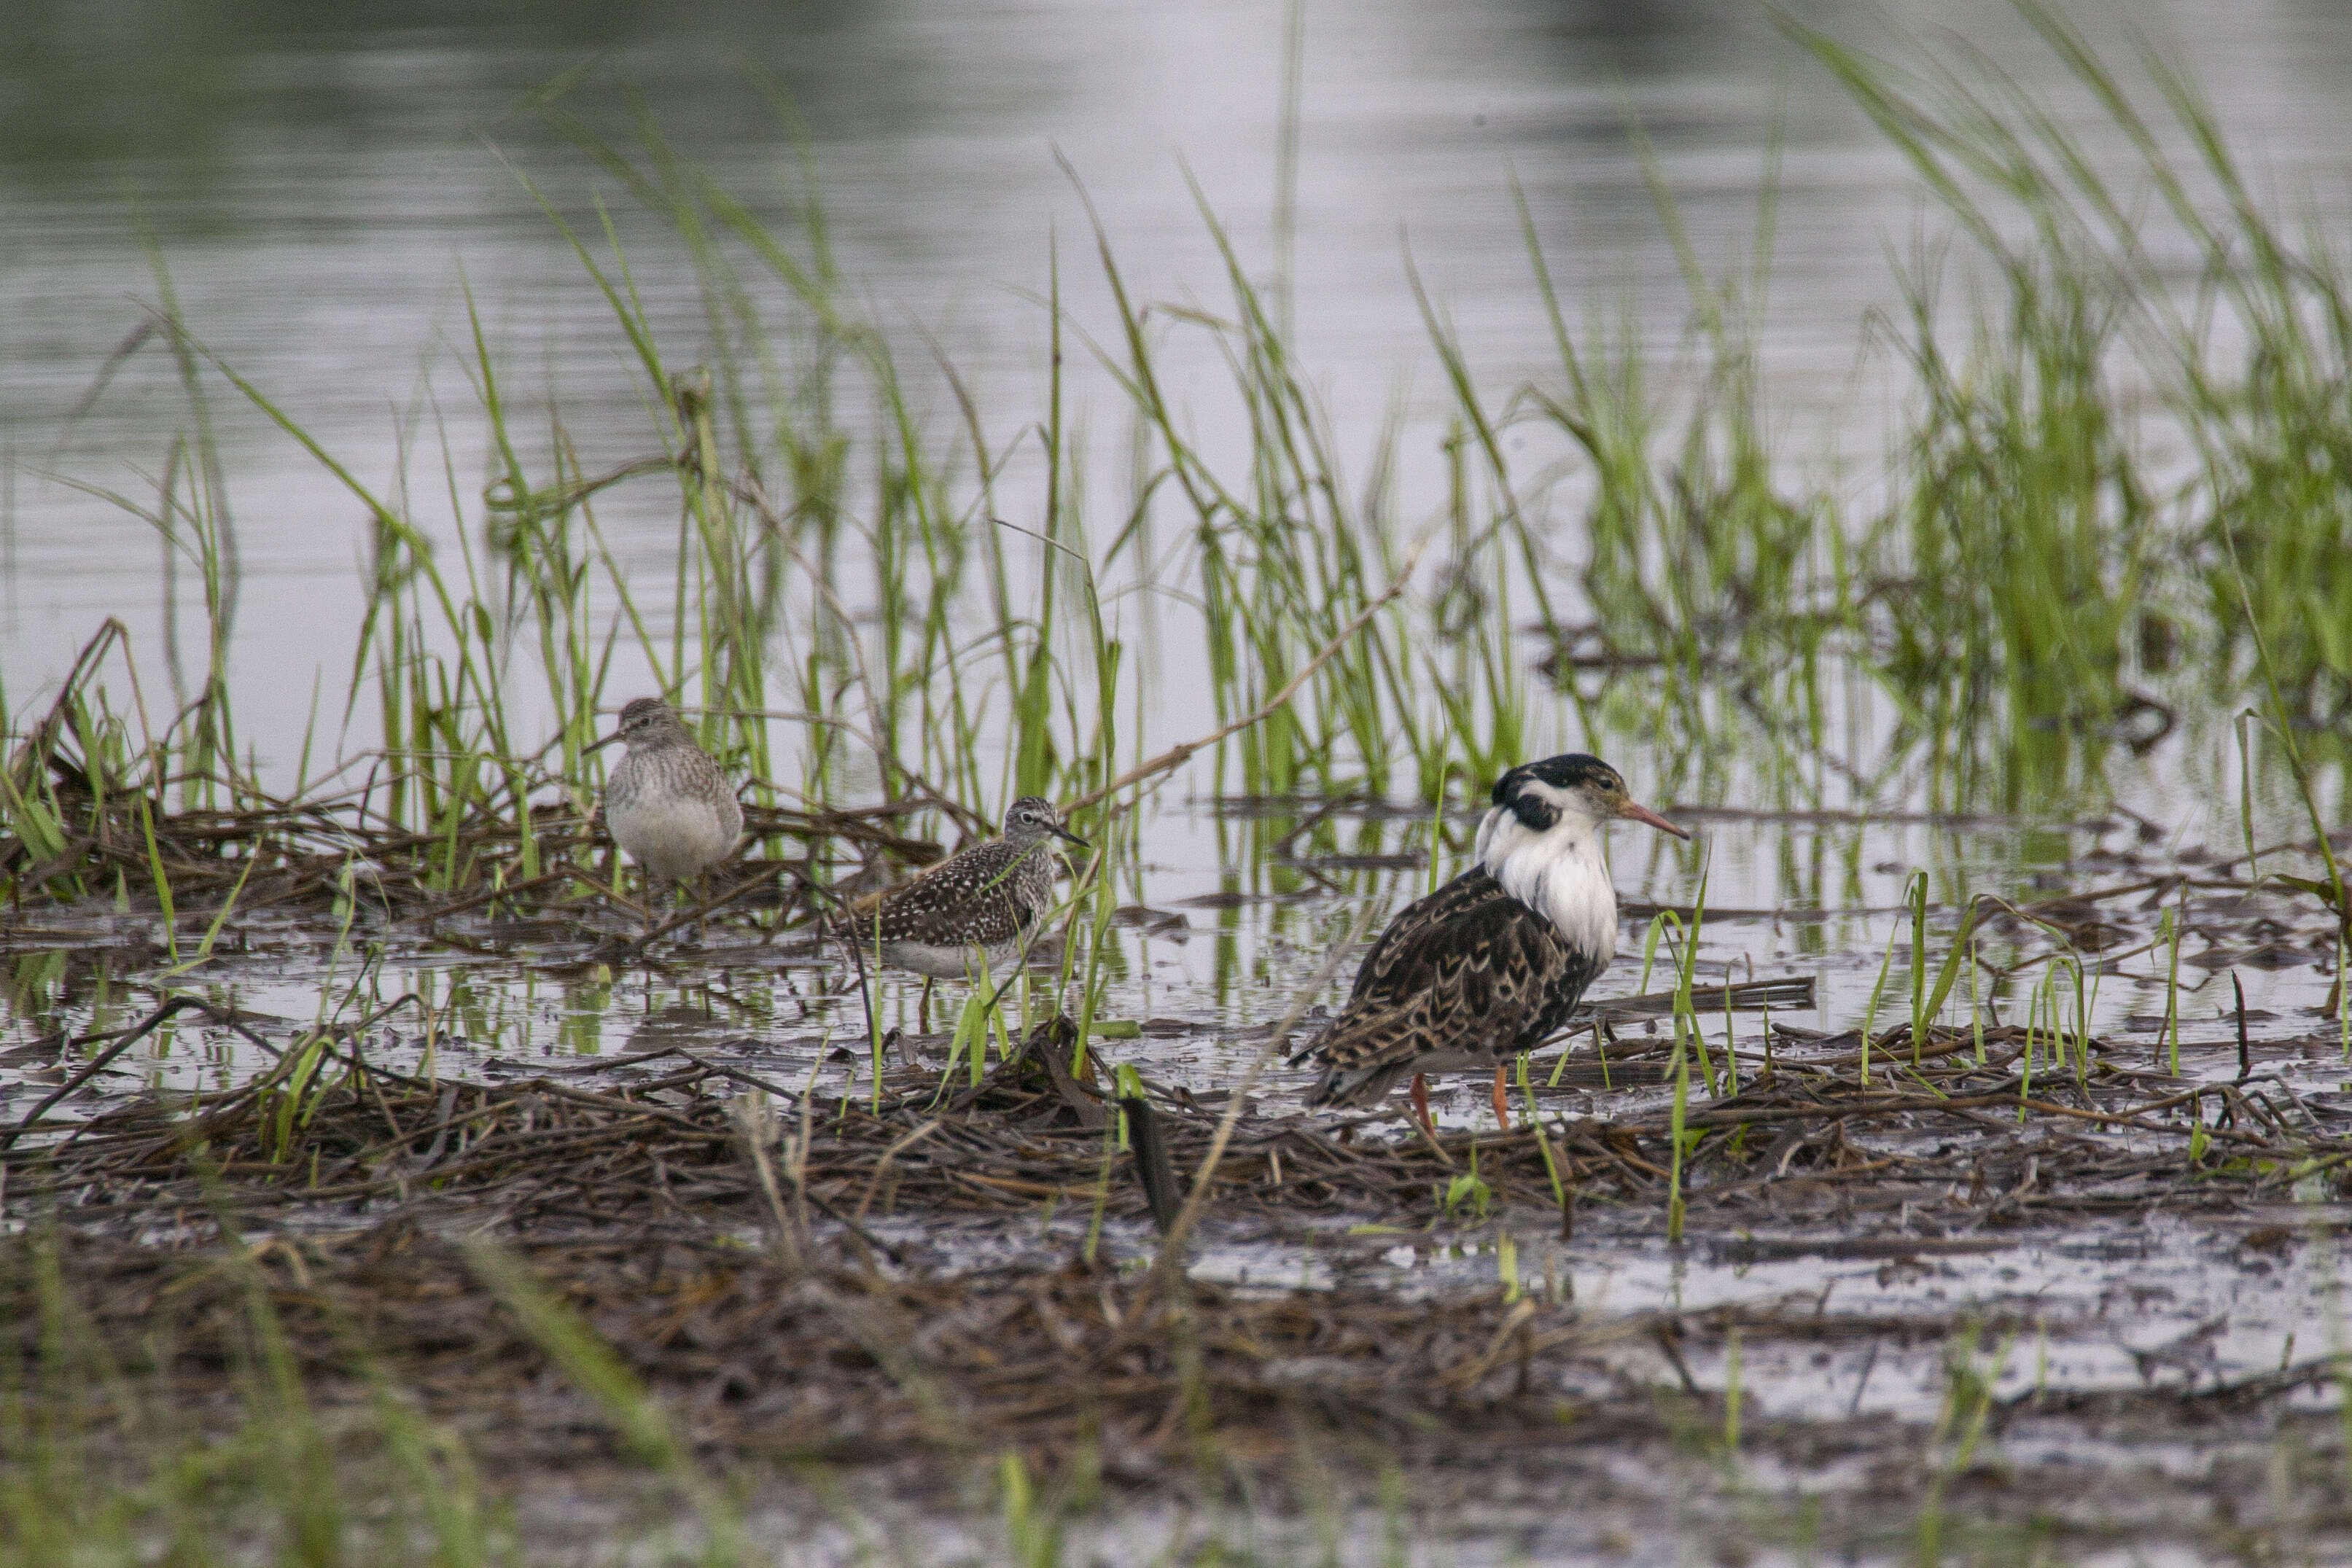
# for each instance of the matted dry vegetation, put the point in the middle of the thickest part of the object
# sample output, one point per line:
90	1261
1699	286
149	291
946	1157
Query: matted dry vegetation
759	1258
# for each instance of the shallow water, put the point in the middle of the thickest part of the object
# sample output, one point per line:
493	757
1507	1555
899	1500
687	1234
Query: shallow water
1216	950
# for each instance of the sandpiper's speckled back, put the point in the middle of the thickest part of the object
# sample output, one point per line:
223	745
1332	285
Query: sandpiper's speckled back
670	804
986	898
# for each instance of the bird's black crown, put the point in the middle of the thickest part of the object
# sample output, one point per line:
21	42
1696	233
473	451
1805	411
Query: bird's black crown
1571	770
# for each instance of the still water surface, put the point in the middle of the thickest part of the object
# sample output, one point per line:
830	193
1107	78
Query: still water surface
326	184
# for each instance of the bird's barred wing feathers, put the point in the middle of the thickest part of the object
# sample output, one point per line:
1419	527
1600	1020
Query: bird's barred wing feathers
1401	962
1466	972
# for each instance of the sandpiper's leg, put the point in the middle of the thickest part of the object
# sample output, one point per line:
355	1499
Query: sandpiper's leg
1420	1103
1502	1102
923	1008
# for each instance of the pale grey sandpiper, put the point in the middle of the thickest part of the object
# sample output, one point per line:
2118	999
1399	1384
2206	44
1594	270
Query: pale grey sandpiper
668	804
981	903
1492	964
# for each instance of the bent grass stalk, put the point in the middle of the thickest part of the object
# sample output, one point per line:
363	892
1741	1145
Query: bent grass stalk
2176	920
1681	1069
1686	1040
1976	1006
1915	893
1686	980
162	881
1877	990
1543	1142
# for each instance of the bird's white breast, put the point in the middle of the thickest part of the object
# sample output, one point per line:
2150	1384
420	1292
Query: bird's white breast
1561	874
673	838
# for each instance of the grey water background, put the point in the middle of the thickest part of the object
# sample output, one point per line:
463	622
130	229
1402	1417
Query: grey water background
326	182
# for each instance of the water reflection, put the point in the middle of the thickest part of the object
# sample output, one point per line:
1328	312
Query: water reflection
236	101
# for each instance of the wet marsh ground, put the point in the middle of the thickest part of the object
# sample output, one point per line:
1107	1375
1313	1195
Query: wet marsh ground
1955	1169
2030	1290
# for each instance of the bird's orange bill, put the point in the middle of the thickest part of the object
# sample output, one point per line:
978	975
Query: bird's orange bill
1644	814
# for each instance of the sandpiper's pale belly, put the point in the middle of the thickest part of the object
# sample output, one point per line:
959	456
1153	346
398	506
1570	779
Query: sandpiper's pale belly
674	839
943	963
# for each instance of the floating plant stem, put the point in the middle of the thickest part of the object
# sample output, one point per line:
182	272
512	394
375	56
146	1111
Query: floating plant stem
161	880
1680	1070
1543	1142
2025	1059
2176	921
1877	989
1915	893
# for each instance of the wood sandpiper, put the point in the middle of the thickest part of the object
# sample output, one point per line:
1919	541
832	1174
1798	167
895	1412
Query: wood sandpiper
1491	965
979	904
668	804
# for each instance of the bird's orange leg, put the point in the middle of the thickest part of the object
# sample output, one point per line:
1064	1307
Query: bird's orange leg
1420	1105
1502	1102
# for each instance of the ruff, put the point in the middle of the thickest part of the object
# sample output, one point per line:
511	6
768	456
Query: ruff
1493	964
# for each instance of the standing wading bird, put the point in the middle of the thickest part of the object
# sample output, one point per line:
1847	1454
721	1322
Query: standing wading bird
668	804
982	902
1491	965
